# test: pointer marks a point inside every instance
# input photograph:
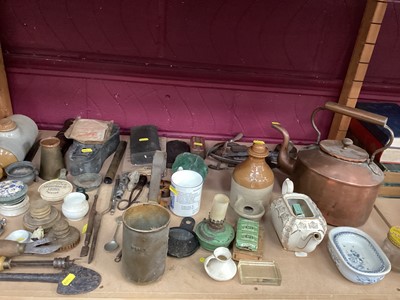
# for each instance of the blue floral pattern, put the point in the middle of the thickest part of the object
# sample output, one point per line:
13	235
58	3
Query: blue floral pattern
11	190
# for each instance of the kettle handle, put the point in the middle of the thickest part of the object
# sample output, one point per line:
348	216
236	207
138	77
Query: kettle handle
358	114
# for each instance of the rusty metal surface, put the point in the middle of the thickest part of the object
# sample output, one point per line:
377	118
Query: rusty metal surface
75	280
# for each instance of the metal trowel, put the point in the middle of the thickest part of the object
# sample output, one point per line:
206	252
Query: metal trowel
12	248
73	281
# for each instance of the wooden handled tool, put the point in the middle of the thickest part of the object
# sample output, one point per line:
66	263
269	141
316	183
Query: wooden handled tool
13	248
89	230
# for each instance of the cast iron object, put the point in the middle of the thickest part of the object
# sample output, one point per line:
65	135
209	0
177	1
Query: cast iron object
112	169
182	241
13	248
72	281
228	152
338	176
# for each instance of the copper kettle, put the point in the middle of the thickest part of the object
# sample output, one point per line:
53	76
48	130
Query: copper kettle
341	178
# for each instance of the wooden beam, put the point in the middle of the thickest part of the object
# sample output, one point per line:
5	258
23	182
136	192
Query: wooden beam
366	39
5	101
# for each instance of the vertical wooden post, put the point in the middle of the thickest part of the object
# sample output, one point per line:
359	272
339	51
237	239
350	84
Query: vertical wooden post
362	52
5	101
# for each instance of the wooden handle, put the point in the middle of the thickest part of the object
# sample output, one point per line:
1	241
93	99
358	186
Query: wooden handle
11	248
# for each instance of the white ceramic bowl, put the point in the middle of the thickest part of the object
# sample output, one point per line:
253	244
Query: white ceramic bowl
75	206
20	236
357	256
16	209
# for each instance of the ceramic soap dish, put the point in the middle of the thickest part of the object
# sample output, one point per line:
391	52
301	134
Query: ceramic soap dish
357	256
259	272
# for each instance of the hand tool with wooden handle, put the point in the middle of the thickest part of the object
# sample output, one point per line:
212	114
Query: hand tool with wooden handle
12	248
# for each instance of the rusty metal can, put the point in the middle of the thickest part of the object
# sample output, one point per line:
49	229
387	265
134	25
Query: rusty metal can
145	242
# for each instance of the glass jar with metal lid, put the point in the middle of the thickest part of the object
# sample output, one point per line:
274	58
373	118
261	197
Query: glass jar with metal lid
391	247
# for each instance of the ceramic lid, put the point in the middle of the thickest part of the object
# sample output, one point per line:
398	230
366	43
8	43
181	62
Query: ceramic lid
55	190
12	190
6	124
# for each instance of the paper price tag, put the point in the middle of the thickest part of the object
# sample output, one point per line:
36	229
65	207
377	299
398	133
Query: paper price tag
84	229
172	189
68	279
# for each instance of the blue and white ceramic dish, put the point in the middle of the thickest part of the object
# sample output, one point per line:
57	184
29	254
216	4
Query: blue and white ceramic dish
12	191
357	256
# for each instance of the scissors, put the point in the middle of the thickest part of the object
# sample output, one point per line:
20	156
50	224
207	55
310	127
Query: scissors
124	204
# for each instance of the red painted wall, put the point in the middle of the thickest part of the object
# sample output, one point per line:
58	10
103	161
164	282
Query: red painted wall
211	68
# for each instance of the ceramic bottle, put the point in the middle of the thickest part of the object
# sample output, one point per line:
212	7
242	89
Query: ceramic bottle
17	135
252	180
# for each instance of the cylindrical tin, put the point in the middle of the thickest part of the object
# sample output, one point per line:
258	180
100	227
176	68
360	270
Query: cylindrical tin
51	159
145	242
186	188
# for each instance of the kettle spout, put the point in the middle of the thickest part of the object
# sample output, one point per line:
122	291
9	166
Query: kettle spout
285	162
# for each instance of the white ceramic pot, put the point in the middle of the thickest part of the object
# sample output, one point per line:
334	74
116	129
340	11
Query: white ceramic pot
75	206
298	222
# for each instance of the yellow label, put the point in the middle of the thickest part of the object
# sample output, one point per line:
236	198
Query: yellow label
394	235
143	139
258	142
68	279
198	144
172	189
87	150
84	229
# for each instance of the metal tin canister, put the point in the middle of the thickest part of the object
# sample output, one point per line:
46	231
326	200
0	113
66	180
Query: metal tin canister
145	242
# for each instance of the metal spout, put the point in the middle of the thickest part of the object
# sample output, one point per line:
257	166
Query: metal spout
285	162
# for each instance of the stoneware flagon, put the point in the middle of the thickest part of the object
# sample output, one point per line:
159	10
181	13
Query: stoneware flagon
297	221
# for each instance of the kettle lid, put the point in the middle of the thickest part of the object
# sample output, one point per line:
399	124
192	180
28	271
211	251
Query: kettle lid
344	149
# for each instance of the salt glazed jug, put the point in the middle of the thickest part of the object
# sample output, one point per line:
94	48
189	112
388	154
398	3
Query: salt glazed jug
297	221
253	180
